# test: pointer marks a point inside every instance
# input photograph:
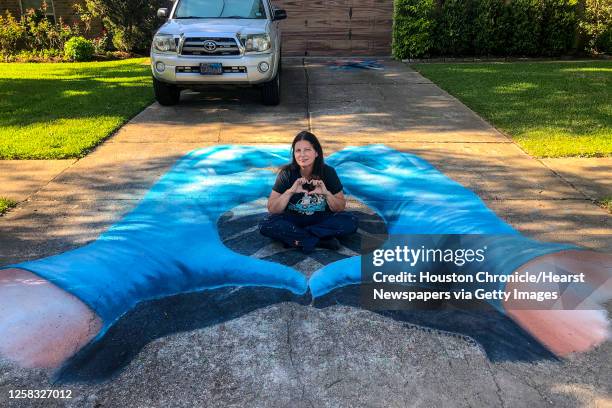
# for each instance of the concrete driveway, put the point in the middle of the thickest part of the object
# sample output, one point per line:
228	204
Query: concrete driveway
292	355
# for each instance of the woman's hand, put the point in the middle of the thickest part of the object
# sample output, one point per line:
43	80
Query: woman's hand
336	202
277	202
298	186
319	188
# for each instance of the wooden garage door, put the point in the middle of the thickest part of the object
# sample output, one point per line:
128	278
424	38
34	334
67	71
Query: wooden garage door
336	27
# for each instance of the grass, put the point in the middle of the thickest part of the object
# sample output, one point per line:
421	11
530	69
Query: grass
6	204
63	110
551	109
606	203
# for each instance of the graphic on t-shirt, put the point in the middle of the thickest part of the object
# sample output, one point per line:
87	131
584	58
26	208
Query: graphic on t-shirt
309	204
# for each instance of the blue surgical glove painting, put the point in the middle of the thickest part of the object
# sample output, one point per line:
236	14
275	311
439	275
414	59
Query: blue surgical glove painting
413	197
169	243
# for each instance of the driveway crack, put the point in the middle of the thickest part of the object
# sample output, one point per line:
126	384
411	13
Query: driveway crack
297	372
499	390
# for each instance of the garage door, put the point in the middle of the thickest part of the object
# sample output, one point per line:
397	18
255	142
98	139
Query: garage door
336	27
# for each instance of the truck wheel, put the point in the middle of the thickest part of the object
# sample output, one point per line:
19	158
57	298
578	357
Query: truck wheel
166	94
270	92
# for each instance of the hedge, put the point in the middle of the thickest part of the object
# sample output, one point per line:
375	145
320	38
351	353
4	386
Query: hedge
459	28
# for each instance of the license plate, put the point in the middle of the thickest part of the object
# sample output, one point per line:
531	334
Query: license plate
211	69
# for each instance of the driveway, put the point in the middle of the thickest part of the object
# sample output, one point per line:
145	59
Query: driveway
293	355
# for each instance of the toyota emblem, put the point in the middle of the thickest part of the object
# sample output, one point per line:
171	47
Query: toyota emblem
210	46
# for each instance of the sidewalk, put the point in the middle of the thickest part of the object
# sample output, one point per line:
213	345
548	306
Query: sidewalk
338	356
21	179
591	176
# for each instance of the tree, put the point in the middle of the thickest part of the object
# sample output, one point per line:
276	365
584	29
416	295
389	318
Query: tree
130	22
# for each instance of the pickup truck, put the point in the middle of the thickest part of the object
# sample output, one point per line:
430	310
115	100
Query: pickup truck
217	42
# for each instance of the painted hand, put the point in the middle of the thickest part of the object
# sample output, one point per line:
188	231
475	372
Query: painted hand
414	198
169	243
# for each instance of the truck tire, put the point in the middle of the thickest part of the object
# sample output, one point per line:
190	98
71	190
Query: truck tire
270	92
166	94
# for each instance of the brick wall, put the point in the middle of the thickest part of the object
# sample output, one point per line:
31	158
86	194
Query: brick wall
65	10
10	5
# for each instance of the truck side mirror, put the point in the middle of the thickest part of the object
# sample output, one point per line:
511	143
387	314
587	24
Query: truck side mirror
279	14
162	13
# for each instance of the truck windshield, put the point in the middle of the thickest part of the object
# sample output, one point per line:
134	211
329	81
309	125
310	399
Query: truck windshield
220	9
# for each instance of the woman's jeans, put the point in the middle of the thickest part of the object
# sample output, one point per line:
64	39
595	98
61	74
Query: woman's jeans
306	230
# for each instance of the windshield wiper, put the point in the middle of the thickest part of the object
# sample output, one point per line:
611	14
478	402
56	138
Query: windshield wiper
188	17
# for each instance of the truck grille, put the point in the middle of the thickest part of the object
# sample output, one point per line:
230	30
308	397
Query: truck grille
196	70
210	46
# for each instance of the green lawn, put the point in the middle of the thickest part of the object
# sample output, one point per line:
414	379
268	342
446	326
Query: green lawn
62	110
551	109
606	203
6	204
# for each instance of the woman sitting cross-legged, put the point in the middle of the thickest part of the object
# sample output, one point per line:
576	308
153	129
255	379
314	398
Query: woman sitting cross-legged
307	204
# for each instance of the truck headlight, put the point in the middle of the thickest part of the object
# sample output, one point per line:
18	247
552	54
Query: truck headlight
256	42
164	43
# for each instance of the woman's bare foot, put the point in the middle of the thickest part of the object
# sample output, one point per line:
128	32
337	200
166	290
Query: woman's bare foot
40	324
574	323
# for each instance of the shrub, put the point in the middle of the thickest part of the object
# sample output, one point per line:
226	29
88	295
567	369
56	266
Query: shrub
128	38
130	22
78	49
559	26
596	25
413	22
454	34
38	56
491	28
11	34
42	33
101	44
523	19
603	43
34	37
501	27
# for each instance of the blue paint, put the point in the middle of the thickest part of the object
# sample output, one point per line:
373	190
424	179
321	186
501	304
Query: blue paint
413	197
169	243
356	64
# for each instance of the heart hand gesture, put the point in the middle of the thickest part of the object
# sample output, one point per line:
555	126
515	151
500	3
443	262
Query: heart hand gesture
319	187
298	186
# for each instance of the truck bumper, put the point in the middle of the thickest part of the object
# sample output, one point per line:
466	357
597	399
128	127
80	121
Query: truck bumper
174	64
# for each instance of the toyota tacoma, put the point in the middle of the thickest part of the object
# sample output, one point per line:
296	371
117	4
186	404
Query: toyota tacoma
217	42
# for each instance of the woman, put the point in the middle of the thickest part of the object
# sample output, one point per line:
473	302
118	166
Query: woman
306	204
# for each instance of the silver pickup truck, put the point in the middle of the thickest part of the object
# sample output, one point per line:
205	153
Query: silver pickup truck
217	42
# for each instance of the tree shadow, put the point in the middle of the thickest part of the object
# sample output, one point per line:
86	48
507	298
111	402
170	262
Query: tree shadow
520	190
68	111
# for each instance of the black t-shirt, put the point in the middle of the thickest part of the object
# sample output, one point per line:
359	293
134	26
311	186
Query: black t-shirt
307	204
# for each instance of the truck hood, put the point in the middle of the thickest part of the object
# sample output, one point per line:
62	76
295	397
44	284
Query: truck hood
215	26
